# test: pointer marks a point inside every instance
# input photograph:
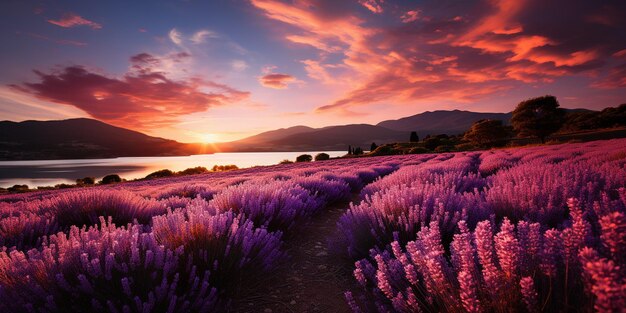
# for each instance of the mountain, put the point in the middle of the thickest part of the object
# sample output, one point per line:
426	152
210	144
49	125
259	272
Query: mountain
441	122
327	138
302	138
277	134
80	138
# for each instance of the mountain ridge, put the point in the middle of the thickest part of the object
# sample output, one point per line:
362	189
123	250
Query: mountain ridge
89	138
80	138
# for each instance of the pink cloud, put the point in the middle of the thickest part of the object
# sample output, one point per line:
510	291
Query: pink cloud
69	20
468	51
140	99
375	6
276	80
410	16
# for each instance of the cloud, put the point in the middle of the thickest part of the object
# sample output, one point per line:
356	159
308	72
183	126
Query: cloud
200	36
462	51
140	99
58	41
69	20
239	65
410	16
175	36
375	6
276	80
616	78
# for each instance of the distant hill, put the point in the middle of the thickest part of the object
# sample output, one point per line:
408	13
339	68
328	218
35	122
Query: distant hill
88	138
80	138
277	134
302	138
327	138
442	122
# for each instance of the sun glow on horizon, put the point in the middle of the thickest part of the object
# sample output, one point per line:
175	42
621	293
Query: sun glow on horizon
209	138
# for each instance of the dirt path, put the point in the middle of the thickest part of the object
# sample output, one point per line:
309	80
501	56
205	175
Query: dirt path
312	280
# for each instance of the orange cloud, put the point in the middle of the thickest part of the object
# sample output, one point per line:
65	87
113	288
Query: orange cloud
470	50
373	5
141	98
72	20
276	80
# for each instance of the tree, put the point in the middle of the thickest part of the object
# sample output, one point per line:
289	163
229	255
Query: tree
487	133
110	179
431	143
357	151
322	157
160	173
538	117
414	137
194	170
304	158
349	149
86	181
373	146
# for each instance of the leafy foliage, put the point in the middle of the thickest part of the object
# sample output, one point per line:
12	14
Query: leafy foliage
538	117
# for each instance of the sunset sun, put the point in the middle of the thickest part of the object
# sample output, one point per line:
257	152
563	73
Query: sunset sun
209	138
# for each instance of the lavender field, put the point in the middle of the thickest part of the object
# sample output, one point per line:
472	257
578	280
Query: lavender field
539	229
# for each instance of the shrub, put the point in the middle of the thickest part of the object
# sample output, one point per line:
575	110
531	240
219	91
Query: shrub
224	168
160	173
194	170
322	157
18	188
103	269
110	179
444	148
432	143
285	162
226	246
418	150
275	205
304	158
86	181
85	207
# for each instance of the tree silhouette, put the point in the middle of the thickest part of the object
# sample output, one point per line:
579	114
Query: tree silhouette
487	133
538	117
304	158
322	157
373	146
414	137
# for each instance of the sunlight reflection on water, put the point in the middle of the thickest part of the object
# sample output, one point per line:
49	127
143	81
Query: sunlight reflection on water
51	172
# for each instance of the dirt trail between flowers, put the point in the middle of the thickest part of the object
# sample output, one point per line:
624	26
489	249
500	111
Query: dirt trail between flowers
313	279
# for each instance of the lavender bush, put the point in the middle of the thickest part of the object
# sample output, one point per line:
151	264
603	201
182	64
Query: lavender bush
543	231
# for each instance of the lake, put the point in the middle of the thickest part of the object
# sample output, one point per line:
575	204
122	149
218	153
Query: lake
52	172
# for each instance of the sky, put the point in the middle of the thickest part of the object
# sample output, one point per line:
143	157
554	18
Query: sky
222	70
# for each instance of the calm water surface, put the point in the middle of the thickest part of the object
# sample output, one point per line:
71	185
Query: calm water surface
52	172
